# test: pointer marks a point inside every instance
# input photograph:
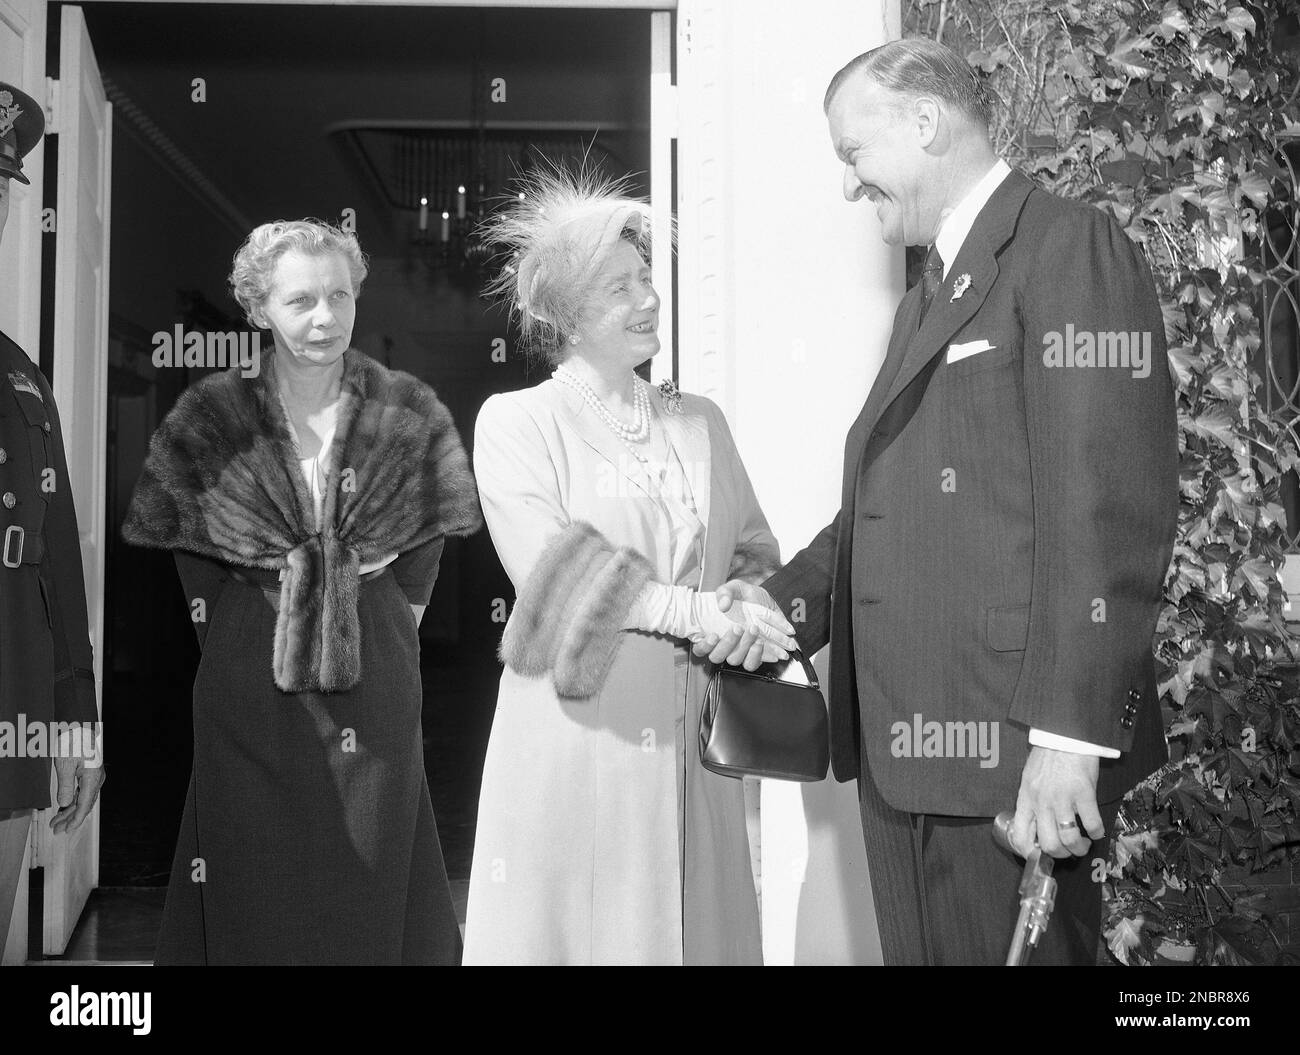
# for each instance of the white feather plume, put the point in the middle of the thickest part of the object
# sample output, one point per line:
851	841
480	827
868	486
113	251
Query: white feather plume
559	235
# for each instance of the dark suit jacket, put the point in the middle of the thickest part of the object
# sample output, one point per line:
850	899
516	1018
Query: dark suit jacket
1005	529
46	671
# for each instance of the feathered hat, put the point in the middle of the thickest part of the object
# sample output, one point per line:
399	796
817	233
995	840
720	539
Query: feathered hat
559	232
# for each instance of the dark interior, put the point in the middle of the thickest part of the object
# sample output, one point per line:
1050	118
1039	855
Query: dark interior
286	90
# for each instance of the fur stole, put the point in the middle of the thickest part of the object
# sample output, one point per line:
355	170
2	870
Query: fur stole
222	480
569	614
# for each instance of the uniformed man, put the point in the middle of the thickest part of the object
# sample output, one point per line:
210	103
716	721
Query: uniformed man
46	675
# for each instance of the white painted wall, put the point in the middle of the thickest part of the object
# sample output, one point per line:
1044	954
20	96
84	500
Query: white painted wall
786	298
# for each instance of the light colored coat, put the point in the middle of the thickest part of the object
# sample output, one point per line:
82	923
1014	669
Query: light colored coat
581	853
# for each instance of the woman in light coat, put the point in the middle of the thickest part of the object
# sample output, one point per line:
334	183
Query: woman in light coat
616	508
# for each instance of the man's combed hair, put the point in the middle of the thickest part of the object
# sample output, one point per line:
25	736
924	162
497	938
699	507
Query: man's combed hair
918	66
255	260
557	235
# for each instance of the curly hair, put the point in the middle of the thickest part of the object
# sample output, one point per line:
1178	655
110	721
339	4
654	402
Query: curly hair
559	232
255	260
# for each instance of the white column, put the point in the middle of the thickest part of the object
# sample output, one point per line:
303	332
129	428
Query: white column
786	298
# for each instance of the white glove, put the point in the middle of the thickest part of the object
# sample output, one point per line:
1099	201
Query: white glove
682	612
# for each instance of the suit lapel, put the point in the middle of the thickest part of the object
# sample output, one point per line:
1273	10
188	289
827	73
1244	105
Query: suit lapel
976	267
909	309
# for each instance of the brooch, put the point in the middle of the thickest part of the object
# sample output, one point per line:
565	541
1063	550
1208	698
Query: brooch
960	286
671	395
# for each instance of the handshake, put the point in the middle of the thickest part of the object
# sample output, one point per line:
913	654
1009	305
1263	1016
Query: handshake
739	623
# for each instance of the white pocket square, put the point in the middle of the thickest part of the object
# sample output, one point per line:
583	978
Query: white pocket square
961	351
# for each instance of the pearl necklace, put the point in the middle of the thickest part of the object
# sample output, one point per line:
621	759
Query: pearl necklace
638	431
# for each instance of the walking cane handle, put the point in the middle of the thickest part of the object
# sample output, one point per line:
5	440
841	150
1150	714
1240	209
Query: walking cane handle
1037	893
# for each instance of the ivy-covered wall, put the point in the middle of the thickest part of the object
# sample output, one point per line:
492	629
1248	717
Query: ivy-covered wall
1174	118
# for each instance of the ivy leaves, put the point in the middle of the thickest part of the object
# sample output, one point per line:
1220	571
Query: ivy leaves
1171	117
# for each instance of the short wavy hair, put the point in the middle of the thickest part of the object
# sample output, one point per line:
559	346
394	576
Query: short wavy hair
558	233
920	66
255	260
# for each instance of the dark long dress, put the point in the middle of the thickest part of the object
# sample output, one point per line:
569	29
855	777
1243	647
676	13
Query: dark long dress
308	834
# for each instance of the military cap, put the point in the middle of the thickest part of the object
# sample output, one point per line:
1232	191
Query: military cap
22	123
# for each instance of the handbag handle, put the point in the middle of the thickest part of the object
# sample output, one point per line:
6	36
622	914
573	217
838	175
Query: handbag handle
807	669
795	653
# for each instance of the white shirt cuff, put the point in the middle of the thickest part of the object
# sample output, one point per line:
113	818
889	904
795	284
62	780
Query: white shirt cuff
1039	738
86	741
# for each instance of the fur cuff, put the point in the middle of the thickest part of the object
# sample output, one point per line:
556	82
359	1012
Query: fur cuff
569	614
753	563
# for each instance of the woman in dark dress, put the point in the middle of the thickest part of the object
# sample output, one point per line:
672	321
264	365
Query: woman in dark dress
307	507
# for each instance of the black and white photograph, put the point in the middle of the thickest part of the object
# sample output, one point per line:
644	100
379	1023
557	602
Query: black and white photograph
650	483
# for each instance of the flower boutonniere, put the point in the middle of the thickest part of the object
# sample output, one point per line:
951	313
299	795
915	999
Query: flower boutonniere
959	287
671	395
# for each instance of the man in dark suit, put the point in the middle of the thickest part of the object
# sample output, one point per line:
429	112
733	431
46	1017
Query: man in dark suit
47	685
990	586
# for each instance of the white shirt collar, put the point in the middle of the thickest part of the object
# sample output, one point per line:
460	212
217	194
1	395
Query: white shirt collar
957	224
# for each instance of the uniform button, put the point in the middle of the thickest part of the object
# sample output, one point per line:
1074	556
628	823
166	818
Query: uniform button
1134	695
1126	721
45	425
4	456
9	500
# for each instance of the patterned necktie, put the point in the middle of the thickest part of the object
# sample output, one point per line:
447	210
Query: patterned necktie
931	277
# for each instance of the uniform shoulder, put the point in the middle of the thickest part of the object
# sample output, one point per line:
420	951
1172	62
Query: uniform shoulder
11	355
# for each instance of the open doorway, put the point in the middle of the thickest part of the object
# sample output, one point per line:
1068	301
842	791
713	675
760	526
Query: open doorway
226	116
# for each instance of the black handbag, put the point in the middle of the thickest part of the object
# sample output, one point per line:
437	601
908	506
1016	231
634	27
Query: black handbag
753	724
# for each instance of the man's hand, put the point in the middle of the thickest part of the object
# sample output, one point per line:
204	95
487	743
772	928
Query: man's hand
1054	787
739	647
78	790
